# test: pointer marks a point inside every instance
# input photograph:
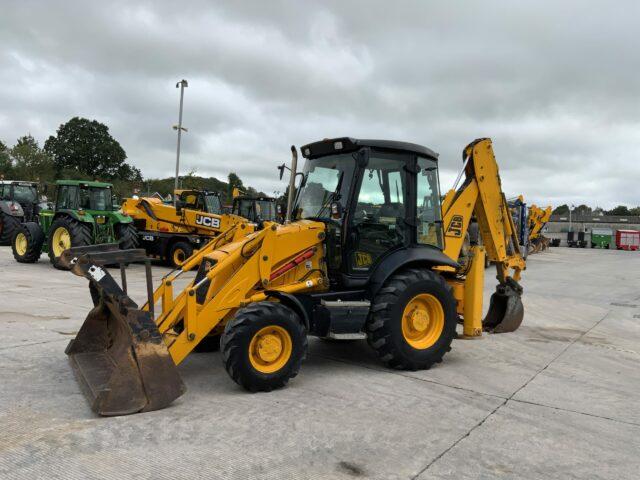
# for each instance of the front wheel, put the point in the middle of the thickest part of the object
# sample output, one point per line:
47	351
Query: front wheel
179	253
127	236
264	346
413	320
26	243
66	232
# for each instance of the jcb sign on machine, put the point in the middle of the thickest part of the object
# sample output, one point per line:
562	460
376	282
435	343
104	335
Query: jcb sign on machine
364	256
211	222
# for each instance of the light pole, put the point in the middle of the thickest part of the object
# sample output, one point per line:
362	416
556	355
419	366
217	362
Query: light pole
181	84
570	209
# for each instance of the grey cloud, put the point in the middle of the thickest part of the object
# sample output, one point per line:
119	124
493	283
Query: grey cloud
556	85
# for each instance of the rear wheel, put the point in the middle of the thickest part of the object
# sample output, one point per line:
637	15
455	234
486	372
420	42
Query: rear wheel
127	236
66	232
179	252
413	320
8	225
264	346
26	243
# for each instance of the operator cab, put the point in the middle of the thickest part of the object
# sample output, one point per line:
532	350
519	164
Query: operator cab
84	196
376	198
255	209
203	201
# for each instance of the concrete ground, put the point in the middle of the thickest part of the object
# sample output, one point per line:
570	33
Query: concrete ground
557	399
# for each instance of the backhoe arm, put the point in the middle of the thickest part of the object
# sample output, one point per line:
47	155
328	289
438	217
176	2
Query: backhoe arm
480	195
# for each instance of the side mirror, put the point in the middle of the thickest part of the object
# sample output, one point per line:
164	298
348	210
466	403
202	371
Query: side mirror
282	168
336	210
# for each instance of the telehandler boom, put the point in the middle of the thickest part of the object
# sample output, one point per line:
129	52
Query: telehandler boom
538	218
368	251
174	232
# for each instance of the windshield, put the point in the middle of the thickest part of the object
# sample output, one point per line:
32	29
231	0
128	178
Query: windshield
326	180
25	194
213	204
95	198
265	210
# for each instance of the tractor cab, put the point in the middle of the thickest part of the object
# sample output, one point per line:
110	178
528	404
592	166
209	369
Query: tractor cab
375	197
255	209
200	200
79	195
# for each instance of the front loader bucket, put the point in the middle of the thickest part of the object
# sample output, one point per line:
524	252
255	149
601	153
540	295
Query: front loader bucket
505	309
119	356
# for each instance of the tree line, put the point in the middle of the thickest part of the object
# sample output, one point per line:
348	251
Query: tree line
83	149
620	210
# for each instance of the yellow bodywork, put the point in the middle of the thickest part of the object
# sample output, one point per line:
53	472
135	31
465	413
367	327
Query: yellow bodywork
160	217
253	260
480	196
538	218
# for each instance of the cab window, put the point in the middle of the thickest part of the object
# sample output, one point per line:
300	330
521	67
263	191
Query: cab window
67	198
428	208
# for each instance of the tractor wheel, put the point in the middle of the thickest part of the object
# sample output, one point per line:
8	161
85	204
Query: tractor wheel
26	243
263	346
413	320
127	235
178	253
8	225
66	232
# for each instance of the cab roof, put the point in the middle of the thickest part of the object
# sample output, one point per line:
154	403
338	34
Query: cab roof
85	183
330	146
20	182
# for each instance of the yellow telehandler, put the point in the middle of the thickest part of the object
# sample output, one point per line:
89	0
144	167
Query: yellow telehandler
173	233
368	250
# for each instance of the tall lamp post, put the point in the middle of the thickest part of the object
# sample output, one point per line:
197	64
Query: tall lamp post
570	210
182	84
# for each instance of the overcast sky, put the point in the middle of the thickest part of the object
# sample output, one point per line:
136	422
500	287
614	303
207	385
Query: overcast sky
555	84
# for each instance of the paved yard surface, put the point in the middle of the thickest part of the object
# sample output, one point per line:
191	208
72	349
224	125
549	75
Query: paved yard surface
557	399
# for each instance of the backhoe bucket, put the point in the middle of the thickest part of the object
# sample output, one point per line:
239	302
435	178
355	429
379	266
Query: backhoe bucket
505	309
118	355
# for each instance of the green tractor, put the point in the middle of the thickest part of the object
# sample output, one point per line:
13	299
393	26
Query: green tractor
83	214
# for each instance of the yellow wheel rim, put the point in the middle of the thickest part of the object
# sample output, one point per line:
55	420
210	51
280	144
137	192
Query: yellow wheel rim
178	256
21	244
61	241
422	321
270	349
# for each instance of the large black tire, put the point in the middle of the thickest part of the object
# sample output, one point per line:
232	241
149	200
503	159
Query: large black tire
8	225
178	253
127	236
385	323
26	242
80	234
236	343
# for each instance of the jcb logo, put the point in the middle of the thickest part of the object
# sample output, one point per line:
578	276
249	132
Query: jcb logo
455	226
205	221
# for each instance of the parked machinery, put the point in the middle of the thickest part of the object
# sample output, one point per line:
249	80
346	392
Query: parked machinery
18	204
363	255
538	218
576	239
628	240
601	238
257	209
173	233
83	214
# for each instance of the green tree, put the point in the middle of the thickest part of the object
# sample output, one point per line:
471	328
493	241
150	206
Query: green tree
6	165
234	182
583	210
634	211
561	210
30	161
620	210
87	146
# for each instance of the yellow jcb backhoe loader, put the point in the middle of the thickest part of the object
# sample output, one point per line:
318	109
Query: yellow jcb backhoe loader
538	218
174	232
367	251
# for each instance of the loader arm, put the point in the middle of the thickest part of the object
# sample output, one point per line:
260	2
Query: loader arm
480	195
538	219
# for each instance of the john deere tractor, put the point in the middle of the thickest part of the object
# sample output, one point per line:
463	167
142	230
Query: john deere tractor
83	214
